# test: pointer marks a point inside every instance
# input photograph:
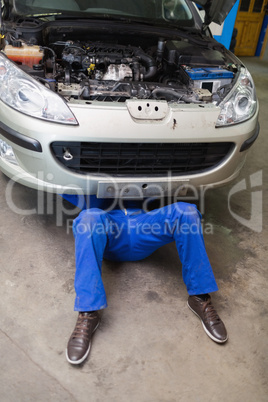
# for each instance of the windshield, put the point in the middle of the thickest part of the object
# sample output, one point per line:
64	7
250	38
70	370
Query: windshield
153	10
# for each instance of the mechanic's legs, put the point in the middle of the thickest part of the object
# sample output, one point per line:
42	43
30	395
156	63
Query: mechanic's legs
181	222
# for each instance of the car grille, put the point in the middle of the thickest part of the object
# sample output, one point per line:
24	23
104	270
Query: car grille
140	158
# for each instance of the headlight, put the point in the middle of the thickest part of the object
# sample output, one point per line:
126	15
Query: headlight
23	93
241	102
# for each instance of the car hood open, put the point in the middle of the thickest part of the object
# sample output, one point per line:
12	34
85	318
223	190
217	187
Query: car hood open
216	10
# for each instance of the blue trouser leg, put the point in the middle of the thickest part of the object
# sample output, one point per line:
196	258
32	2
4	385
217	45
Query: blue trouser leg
89	230
180	222
134	237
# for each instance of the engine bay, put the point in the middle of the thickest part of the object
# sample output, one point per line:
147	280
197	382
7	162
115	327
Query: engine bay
115	69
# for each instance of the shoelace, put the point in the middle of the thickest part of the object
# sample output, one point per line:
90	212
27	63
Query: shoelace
210	313
82	328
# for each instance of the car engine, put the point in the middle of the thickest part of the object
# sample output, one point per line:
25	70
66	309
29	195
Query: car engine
98	70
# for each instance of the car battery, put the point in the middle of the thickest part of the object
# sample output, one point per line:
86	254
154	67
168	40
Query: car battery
210	78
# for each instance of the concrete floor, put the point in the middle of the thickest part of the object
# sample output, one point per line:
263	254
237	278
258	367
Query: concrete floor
150	347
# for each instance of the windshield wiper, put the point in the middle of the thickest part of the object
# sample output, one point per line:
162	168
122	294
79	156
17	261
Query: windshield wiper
123	19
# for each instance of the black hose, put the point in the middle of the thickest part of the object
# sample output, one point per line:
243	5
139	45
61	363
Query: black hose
169	93
166	92
150	63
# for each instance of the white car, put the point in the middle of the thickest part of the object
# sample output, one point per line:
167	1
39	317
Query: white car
121	98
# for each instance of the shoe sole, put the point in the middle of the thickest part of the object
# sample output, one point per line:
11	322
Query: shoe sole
85	355
206	330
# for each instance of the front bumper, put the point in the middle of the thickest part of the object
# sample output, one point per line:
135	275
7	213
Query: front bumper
31	138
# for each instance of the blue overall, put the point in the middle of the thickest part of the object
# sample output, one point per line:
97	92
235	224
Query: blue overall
131	234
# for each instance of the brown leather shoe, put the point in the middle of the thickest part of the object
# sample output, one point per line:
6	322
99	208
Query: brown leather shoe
80	341
212	324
